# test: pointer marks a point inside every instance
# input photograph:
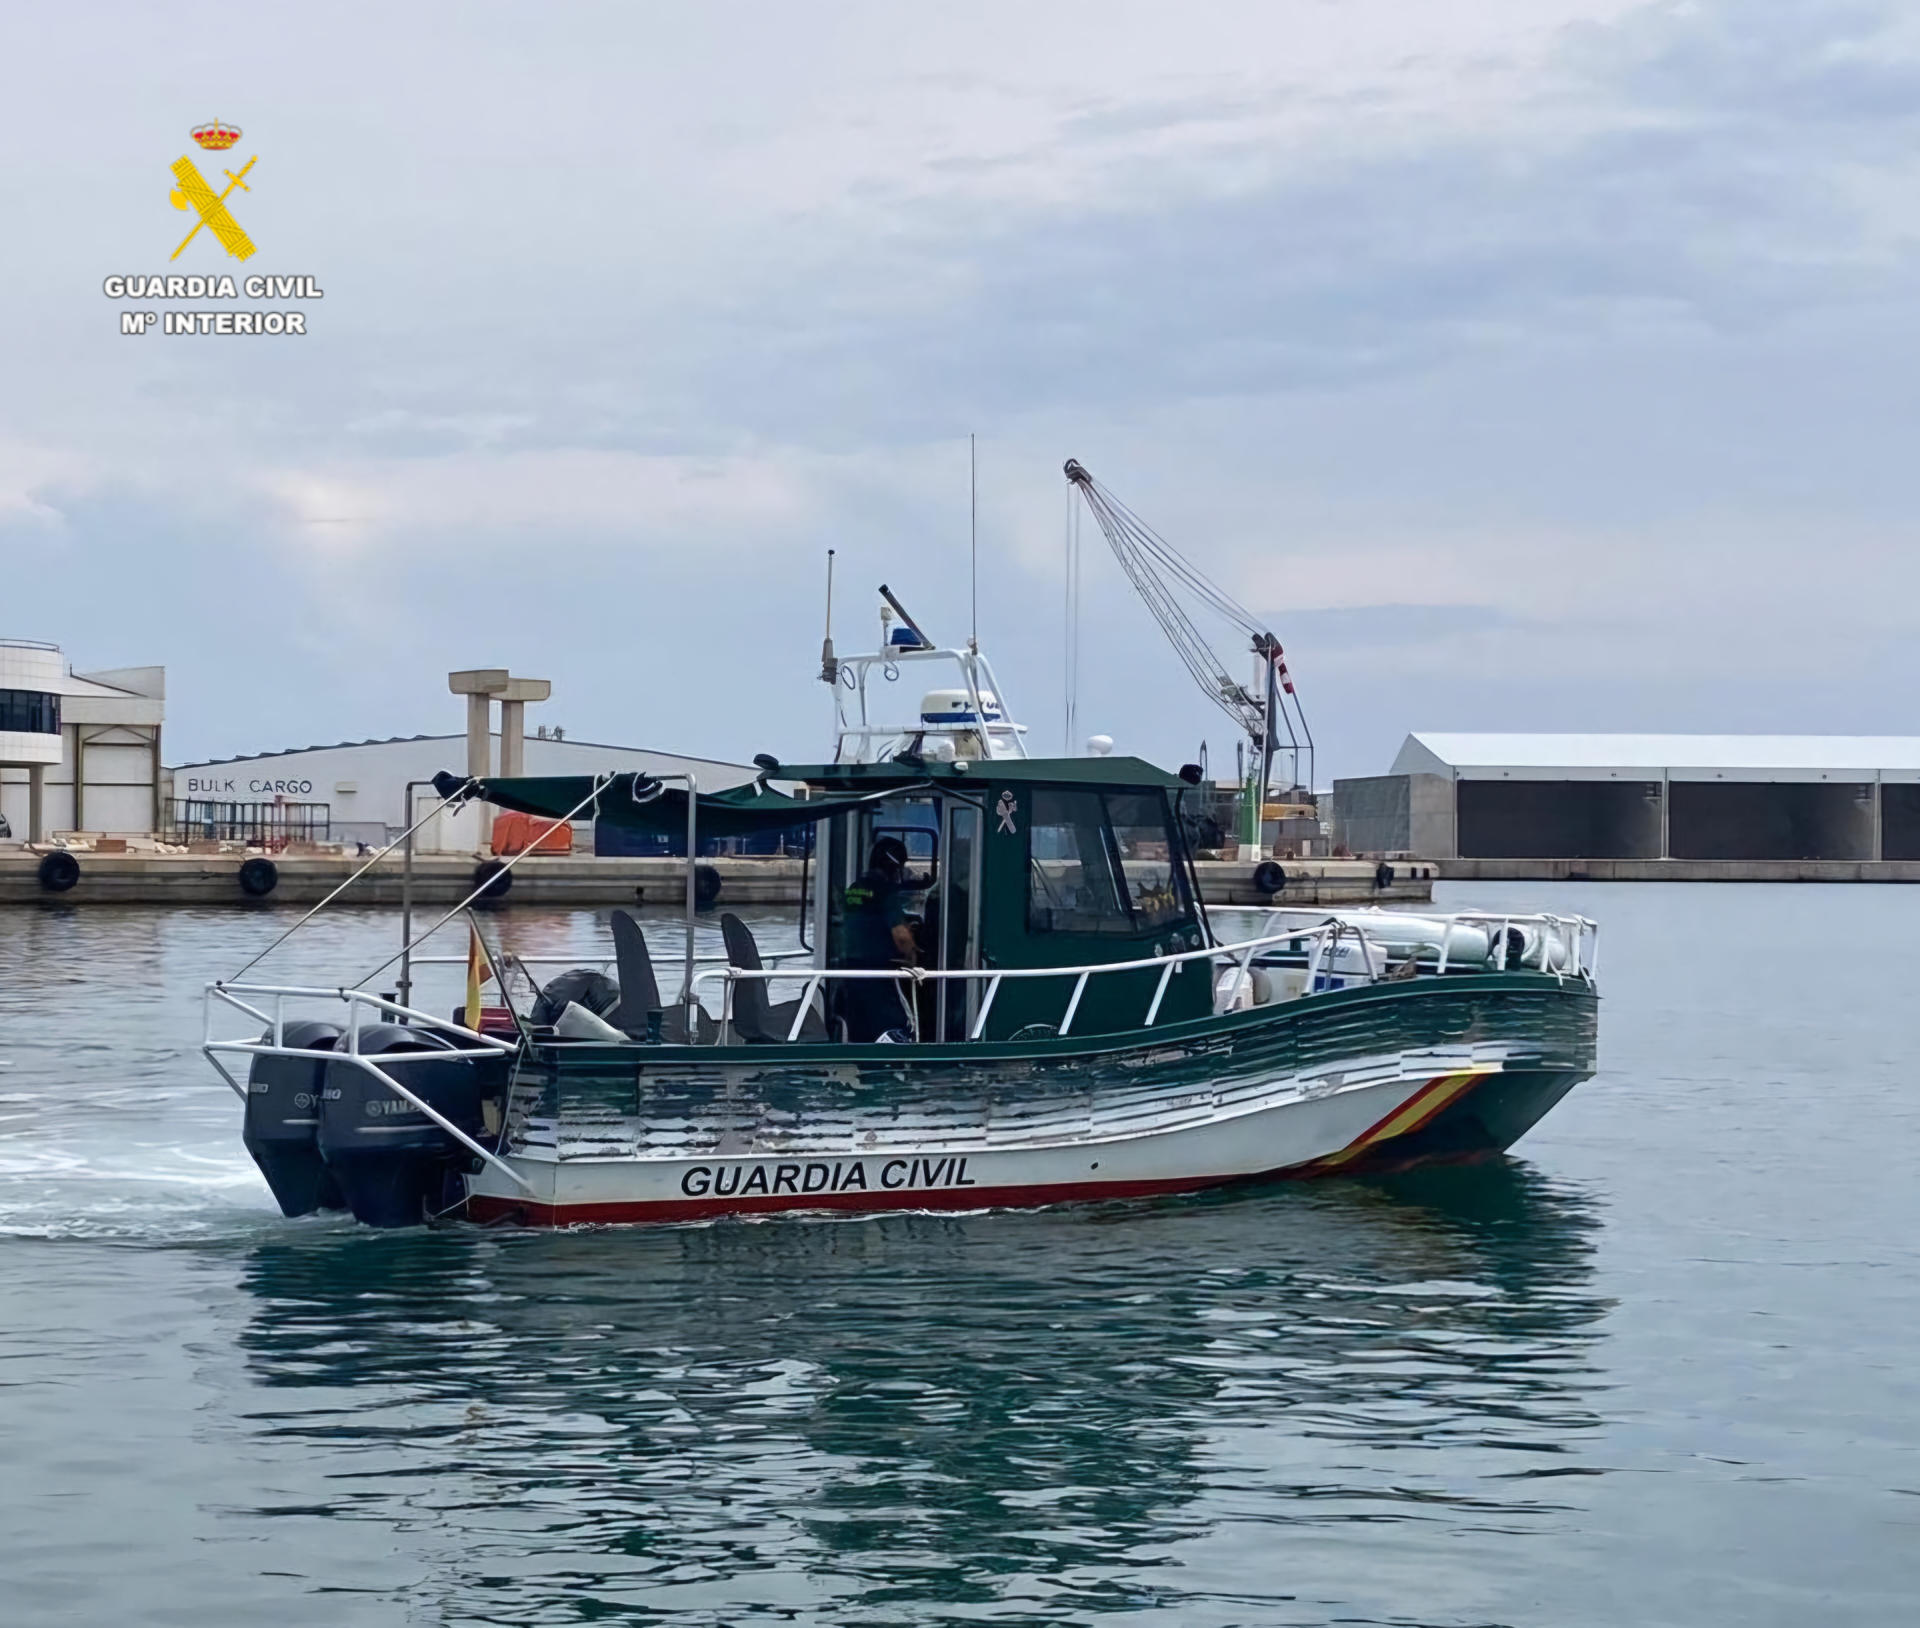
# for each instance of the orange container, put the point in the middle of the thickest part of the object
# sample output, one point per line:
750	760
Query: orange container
515	833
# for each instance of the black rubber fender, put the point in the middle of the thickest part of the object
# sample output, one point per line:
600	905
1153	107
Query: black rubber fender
1269	877
493	879
706	886
1383	875
259	876
59	871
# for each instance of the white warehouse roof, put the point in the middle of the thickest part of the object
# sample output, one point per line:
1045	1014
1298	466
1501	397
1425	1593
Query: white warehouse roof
1851	758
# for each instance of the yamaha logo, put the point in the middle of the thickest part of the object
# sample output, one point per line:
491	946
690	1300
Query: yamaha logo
386	1107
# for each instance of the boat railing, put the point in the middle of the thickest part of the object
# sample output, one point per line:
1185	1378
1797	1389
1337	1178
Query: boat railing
267	1004
858	733
1566	945
1567	949
588	958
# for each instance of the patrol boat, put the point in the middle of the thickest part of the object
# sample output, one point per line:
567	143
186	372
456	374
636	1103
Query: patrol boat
1073	1025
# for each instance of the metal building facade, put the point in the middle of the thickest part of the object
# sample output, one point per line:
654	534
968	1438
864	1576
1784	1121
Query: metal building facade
357	790
1692	797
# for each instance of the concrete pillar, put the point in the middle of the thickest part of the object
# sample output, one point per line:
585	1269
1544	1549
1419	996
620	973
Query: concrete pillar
513	738
479	758
482	686
480	735
79	779
36	802
514	696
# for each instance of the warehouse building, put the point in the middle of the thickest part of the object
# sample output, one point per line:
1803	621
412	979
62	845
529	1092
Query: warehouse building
356	791
78	751
1691	797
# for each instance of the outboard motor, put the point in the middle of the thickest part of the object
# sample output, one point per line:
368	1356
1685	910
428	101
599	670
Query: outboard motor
283	1119
598	993
394	1164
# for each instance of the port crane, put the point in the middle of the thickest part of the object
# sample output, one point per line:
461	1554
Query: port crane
1267	711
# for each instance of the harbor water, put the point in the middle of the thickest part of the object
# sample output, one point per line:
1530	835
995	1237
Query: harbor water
1658	1368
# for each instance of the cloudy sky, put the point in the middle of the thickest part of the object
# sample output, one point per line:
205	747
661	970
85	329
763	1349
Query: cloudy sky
1527	363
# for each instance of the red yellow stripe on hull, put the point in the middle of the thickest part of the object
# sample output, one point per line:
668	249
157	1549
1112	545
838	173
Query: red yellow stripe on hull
1420	1109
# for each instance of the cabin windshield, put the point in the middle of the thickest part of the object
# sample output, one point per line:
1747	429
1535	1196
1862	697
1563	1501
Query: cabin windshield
1102	863
1156	882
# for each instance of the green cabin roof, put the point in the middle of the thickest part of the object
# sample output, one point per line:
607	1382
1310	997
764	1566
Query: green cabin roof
1048	771
742	810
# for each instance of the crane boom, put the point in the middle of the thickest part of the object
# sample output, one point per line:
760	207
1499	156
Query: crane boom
1167	582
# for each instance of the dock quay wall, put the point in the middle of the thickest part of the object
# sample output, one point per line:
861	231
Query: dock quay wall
1678	870
444	879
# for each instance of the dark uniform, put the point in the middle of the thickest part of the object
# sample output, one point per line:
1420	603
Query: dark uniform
876	905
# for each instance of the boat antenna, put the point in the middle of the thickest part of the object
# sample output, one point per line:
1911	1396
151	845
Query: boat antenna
973	538
1070	641
829	666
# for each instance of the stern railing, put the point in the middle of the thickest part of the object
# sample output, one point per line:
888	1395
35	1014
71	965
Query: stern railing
275	1018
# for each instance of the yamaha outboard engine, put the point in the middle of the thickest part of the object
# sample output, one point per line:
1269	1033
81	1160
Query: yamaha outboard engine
395	1166
283	1117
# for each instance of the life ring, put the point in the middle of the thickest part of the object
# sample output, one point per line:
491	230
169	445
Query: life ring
1383	875
258	877
1269	878
493	879
706	885
59	871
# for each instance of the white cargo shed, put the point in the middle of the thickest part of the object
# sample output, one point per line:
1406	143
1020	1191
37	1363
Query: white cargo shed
357	790
1603	796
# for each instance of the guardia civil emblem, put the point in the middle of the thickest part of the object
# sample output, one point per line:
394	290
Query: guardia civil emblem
194	193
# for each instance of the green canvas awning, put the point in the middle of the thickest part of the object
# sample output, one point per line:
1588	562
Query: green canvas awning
738	812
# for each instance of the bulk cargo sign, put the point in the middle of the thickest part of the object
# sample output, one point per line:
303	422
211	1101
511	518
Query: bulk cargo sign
233	785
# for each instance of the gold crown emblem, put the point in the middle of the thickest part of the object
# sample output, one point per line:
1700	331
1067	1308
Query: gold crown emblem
216	137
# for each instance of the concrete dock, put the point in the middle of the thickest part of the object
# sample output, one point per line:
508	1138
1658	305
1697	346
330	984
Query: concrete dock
1679	870
580	880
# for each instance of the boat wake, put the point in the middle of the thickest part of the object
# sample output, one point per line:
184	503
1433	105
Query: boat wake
85	1168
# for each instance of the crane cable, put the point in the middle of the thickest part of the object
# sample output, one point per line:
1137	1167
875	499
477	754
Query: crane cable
1149	560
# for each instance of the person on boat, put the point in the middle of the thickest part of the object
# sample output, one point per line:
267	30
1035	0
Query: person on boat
879	935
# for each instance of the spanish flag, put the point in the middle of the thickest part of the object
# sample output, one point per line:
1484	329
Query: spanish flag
479	970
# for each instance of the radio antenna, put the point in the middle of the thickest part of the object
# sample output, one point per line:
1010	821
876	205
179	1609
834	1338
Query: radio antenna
829	667
973	536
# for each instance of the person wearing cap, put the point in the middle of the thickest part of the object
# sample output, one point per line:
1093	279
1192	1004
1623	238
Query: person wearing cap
879	935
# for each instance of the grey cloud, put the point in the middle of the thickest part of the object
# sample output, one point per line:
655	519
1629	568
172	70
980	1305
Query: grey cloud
1649	312
1769	63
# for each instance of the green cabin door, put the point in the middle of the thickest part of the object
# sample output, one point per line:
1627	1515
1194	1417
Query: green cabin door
957	939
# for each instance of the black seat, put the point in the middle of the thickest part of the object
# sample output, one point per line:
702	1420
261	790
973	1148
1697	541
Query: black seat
640	991
755	1018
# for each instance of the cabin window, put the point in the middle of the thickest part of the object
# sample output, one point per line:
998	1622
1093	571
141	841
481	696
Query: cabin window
1156	887
1072	881
1103	864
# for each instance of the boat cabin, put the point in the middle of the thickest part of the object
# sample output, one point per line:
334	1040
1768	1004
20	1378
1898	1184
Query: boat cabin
1021	864
1010	866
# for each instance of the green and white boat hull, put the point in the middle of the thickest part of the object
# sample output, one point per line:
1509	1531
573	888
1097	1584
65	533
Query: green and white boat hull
1387	1075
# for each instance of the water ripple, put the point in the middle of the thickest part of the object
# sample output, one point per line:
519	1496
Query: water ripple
1469	1397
